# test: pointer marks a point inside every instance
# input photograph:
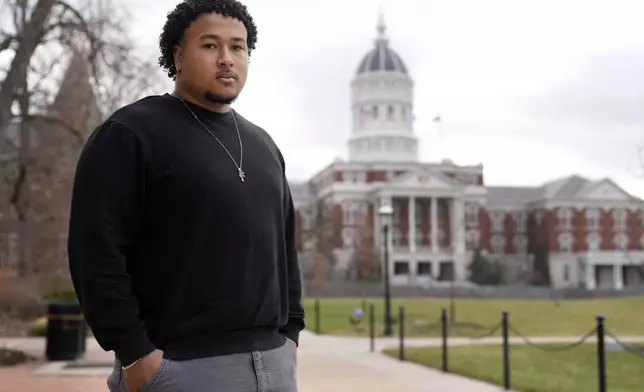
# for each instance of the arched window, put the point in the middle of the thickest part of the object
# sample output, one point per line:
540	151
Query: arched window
621	241
498	244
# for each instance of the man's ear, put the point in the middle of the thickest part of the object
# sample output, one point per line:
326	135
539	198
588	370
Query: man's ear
177	53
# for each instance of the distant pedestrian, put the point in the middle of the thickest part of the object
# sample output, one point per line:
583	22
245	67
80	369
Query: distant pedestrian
182	230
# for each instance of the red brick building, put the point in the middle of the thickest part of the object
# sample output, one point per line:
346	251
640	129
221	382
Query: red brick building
594	230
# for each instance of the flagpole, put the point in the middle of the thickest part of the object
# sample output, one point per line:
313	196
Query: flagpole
438	120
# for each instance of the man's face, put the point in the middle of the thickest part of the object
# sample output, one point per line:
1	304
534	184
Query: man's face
213	58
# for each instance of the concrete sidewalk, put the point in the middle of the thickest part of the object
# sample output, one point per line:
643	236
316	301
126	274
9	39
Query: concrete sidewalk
326	363
383	373
342	364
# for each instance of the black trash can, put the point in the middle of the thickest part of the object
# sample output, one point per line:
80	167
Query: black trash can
66	331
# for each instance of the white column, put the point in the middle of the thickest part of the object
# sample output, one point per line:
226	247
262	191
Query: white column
458	238
434	228
412	224
459	213
453	224
590	275
618	278
377	228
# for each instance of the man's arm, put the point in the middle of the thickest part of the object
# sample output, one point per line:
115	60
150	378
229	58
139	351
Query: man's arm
295	322
107	202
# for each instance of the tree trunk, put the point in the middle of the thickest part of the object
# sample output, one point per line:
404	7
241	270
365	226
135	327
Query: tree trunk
15	84
24	161
29	39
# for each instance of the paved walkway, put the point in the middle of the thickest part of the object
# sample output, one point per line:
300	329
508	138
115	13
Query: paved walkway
342	364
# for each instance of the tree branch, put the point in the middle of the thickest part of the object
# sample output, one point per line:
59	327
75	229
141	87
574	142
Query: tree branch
6	40
29	41
44	118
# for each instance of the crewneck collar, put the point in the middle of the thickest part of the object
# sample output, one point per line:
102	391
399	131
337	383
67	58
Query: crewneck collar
200	111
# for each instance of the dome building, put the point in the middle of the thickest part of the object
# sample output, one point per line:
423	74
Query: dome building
443	212
382	106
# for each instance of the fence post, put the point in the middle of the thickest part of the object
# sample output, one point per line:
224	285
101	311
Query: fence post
401	332
506	351
601	354
444	334
317	316
372	327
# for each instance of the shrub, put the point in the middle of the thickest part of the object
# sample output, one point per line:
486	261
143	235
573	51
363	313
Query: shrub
63	293
38	327
11	357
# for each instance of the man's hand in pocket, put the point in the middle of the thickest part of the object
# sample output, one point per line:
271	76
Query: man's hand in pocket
291	342
141	373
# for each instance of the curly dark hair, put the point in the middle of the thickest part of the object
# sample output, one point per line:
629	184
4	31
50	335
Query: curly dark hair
185	13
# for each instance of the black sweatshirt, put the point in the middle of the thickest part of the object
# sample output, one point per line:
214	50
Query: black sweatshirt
168	249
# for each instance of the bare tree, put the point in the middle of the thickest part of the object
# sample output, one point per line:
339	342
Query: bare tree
365	259
319	238
42	103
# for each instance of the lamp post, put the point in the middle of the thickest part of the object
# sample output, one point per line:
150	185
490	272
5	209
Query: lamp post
385	212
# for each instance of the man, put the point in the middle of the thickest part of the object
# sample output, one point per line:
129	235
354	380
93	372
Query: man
181	239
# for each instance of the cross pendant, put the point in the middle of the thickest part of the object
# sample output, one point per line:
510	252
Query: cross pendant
241	174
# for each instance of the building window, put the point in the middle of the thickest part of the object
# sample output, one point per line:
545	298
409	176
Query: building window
472	214
375	112
424	268
350	213
497	244
538	217
418	238
521	222
308	220
566	273
401	268
566	241
593	242
354	212
619	219
472	239
442	235
592	219
390	112
620	241
348	238
419	211
397	237
521	244
564	216
397	213
497	222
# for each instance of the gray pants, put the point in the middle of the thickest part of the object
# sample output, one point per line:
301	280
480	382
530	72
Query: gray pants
267	371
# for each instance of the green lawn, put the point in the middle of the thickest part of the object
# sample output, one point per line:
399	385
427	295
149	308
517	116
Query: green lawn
624	316
534	370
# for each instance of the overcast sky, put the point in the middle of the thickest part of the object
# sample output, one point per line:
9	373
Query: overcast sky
532	89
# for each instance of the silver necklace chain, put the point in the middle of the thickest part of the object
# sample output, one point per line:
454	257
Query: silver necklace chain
240	172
